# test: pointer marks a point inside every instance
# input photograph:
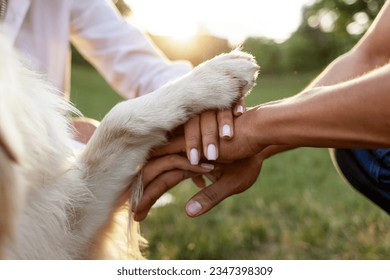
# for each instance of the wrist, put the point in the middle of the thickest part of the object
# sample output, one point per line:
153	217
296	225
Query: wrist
279	124
265	124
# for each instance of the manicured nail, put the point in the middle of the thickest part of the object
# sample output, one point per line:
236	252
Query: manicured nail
193	208
194	156
240	109
226	131
207	166
211	152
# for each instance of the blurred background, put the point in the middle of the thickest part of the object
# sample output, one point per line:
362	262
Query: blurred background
299	207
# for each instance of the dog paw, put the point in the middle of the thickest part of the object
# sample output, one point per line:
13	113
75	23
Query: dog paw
224	79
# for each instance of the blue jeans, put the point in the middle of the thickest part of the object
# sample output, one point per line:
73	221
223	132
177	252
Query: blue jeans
368	171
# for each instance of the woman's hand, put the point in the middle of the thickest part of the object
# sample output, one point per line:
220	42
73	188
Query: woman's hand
228	179
203	133
244	144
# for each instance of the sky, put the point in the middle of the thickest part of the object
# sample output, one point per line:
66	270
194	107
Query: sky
231	19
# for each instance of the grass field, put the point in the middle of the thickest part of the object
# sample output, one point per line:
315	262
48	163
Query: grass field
298	209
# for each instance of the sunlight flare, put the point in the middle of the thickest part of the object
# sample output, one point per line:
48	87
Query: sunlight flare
228	19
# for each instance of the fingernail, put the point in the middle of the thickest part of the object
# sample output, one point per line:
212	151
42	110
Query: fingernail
226	131
240	109
211	152
194	156
207	166
193	208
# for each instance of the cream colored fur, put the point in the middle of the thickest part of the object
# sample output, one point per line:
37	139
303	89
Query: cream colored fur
58	205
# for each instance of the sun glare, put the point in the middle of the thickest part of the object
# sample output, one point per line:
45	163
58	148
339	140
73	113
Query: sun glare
171	18
181	30
229	19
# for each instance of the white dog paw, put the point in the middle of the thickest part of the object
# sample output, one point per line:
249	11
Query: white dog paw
224	79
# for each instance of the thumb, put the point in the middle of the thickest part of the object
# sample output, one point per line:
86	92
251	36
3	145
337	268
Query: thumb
207	198
175	145
236	178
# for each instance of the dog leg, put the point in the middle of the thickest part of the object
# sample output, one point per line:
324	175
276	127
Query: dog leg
123	140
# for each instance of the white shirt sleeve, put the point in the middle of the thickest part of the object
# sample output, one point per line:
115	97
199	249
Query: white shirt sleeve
120	52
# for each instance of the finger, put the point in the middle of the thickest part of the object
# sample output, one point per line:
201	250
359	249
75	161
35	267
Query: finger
160	165
199	181
175	146
209	129
239	108
156	189
228	184
225	123
193	137
215	174
207	198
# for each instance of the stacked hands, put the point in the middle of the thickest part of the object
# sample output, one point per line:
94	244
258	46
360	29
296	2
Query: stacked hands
216	145
345	107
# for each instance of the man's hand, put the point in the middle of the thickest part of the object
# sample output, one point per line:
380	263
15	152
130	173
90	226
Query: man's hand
228	179
160	175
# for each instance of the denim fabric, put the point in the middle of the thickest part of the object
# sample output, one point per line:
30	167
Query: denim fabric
376	164
368	172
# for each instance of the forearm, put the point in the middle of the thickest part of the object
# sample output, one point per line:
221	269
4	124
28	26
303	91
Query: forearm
370	53
348	66
353	114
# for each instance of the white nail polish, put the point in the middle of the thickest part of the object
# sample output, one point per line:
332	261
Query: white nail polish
194	156
193	208
207	166
226	131
211	152
240	109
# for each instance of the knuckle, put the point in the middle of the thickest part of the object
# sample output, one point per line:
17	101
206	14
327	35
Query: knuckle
209	133
172	159
192	138
211	195
225	119
208	117
170	179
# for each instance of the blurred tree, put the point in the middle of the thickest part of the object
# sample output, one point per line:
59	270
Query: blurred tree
328	29
346	20
346	17
267	53
307	49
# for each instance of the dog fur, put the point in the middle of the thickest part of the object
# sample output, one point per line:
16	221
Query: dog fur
55	204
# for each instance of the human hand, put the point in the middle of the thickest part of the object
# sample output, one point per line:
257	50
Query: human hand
244	144
161	174
202	133
228	179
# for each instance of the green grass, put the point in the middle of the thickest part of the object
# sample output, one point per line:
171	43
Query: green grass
298	209
91	94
